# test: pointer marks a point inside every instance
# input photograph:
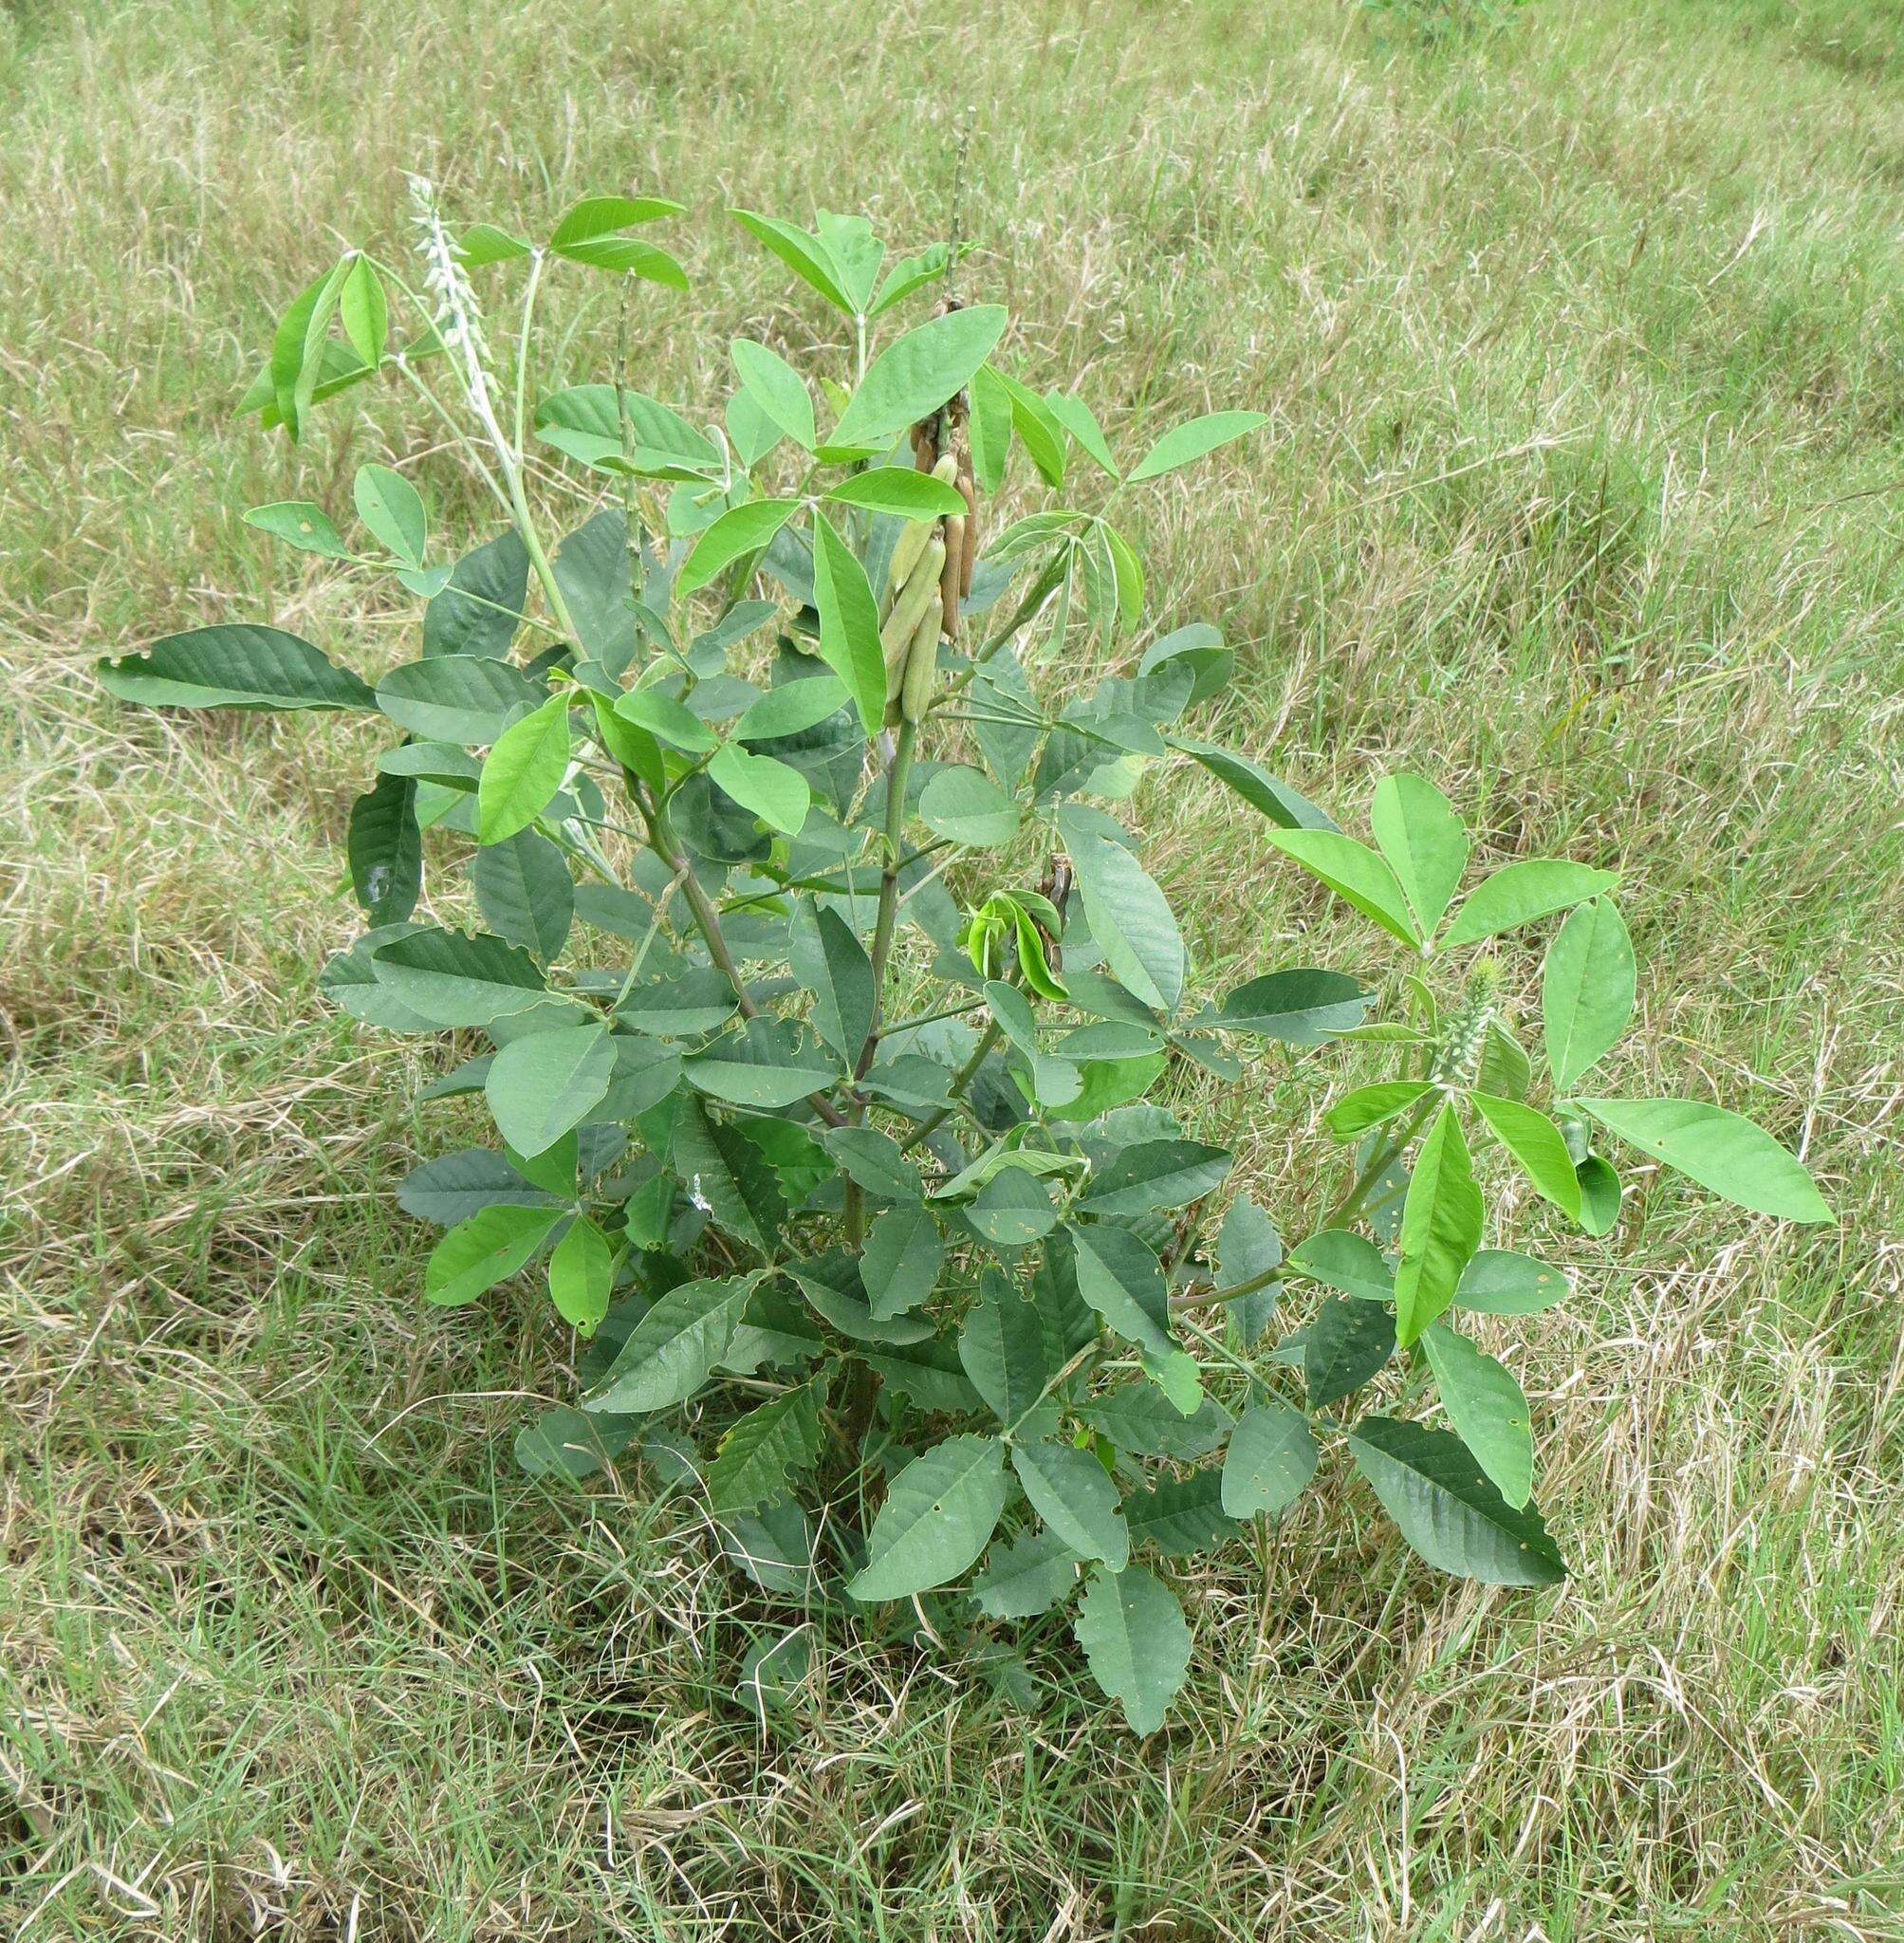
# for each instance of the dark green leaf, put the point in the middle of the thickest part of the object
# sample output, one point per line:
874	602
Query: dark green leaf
1134	1635
938	1513
726	1173
1343	1347
1157	1174
385	848
674	1349
1025	1578
1270	1460
1180	1515
542	1085
477	611
1071	1492
902	1259
239	666
1300	1007
831	963
460	698
452	979
1341	1260
525	891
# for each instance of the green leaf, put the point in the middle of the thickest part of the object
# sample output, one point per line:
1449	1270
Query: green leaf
744	1082
849	622
1599	1195
1011	1209
1248	1248
1080	421
545	1083
1587	986
1348	1261
1369	1106
586	422
626	255
872	1158
1425	842
481	244
1157	1174
454	1185
1039	430
791	709
1270	1460
965	806
831	963
1720	1150
902	1259
601	216
385	849
1301	1007
1537	1145
1356	874
523	772
989	429
1343	1347
525	891
1194	439
1497	1282
770	1445
463	698
918	373
1134	1635
692	1003
1180	1515
1448	1509
775	792
805	255
363	311
582	1275
1070	1490
777	388
742	529
1140	1418
393	510
728	1173
452	979
674	1349
1518	894
661	714
1121	1278
1440	1227
299	348
1262	792
300	524
1128	915
481	604
900	491
908	275
1486	1408
240	666
1025	1578
1011	1351
565	1442
938	1513
486	1248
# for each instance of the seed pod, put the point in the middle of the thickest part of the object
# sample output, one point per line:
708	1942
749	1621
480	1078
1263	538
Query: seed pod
920	592
970	489
912	543
922	667
949	578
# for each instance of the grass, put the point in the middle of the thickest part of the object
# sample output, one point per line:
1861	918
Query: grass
1581	342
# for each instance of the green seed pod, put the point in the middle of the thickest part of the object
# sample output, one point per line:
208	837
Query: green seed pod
923	585
912	543
922	665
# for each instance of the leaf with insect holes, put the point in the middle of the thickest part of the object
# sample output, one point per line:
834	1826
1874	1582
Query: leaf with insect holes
580	1275
1272	1457
1486	1408
1025	1578
1073	1493
1136	1642
938	1513
385	849
300	524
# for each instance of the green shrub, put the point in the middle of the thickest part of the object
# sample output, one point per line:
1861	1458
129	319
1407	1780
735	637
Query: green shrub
822	1007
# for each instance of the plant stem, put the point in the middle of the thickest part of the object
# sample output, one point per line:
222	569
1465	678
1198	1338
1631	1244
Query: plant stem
896	778
961	1079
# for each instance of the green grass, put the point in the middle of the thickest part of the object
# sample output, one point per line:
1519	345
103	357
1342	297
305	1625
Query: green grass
1581	341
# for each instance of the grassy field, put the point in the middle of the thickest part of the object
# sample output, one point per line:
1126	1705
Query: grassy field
1582	345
